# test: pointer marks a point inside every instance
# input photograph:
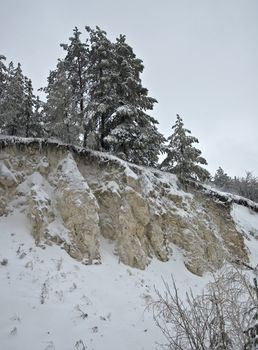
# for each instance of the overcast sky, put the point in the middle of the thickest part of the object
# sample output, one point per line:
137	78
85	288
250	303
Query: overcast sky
200	57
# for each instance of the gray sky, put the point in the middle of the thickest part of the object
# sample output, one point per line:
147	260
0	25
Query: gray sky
200	57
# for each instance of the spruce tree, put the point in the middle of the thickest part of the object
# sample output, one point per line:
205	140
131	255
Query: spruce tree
101	79
67	92
118	102
183	158
132	133
33	119
96	90
61	117
75	65
12	115
17	103
29	101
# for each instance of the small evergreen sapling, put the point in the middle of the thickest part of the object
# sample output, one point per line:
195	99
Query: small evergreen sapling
183	158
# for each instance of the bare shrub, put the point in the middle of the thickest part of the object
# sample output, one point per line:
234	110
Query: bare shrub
223	317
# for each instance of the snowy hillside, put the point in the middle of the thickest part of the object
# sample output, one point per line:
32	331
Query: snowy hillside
73	229
50	301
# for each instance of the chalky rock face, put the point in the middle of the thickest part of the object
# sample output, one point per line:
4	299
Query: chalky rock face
8	182
7	178
73	197
79	210
37	193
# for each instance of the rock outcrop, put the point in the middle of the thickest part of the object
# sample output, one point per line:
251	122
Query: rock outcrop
74	196
79	210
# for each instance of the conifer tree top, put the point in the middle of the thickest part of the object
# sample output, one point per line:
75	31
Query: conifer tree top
183	158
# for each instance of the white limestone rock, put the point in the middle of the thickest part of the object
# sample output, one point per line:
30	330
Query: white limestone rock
7	178
79	210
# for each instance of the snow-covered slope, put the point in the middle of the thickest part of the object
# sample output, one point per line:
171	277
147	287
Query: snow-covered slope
246	221
74	224
48	300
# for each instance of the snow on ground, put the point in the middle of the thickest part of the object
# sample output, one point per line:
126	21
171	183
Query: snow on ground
50	301
246	221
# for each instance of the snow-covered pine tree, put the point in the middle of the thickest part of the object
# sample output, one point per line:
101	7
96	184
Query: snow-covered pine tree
102	89
131	133
12	114
100	84
136	138
75	65
183	158
29	101
17	103
61	117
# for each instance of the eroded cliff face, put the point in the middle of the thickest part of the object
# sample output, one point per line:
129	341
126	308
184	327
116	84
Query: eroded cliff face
73	197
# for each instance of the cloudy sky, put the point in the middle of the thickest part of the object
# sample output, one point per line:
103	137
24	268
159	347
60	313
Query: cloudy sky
200	57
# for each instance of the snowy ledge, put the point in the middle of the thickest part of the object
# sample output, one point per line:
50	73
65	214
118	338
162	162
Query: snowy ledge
130	169
43	143
225	197
133	169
